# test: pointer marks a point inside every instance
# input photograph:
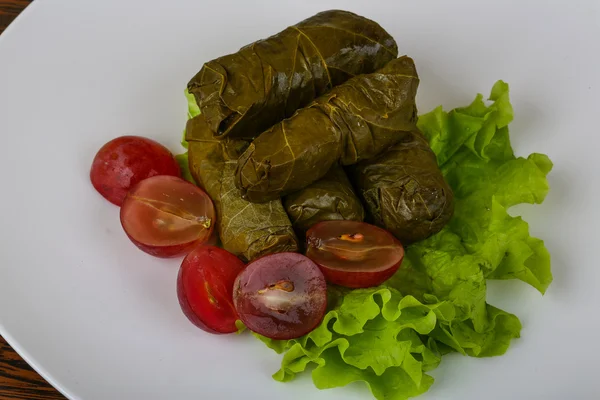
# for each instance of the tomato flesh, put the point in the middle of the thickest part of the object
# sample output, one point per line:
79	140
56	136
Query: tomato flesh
166	216
205	288
127	160
354	254
281	296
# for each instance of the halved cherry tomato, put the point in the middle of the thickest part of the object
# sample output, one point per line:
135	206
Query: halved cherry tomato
281	296
166	216
205	287
354	254
127	160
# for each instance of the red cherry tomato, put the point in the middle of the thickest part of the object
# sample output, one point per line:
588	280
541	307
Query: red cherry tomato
127	160
281	296
354	254
166	216
205	288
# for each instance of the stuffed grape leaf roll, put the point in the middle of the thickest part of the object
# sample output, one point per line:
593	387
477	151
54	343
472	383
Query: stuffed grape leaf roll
244	93
404	190
354	121
330	198
246	229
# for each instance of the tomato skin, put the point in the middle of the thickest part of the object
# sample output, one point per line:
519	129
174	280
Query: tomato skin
358	280
354	254
166	216
205	288
127	160
165	251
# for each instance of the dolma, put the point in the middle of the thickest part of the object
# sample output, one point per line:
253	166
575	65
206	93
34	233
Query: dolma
330	198
404	190
244	93
246	229
353	122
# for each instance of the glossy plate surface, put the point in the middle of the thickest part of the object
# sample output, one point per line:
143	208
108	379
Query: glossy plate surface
100	319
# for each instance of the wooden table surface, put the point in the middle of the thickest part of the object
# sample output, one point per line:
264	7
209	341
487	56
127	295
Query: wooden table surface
17	379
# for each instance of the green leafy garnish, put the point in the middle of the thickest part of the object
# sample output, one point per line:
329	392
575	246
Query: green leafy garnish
390	336
193	110
182	159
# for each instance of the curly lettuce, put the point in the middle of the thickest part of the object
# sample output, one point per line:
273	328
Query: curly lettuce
182	159
373	335
390	336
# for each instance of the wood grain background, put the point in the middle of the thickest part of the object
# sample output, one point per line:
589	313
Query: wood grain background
9	9
17	379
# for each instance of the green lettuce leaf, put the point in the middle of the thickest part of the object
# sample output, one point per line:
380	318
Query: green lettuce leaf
390	336
372	335
487	179
182	159
193	110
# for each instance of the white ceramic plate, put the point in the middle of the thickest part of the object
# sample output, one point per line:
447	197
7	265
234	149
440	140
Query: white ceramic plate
100	319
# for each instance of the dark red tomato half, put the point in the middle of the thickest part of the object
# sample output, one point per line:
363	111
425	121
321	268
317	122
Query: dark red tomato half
281	296
205	288
354	254
127	160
